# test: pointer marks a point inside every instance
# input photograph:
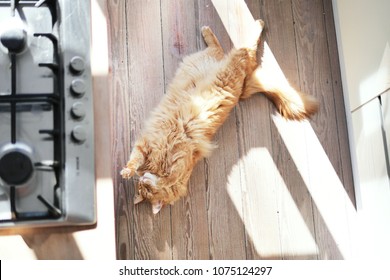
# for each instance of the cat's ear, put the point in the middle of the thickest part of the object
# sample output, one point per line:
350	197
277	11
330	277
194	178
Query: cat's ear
138	198
156	206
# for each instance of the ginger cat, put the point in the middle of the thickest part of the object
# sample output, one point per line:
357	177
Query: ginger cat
179	133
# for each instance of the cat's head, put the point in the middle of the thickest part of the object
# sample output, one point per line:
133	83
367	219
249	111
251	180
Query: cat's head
149	190
160	191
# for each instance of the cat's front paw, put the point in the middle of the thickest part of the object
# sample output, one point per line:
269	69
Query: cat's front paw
127	173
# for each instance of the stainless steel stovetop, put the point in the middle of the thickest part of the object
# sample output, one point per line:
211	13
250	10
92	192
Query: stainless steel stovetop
46	114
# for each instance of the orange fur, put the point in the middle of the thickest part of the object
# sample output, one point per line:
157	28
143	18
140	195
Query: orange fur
206	87
291	104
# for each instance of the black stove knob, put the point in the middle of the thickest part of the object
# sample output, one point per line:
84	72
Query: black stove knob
14	40
16	168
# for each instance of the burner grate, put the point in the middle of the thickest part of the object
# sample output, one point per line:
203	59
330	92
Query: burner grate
16	166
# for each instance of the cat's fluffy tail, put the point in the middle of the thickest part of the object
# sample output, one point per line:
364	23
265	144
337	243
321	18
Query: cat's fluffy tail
290	103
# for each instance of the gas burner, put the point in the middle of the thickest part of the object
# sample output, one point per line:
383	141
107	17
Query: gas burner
46	114
14	40
16	165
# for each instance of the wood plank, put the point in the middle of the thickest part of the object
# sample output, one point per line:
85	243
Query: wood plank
258	173
140	234
342	129
315	77
152	232
280	28
189	217
258	178
120	119
190	237
298	236
223	217
314	71
226	230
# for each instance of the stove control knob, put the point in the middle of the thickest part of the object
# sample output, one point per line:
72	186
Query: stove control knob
79	134
78	87
78	110
77	65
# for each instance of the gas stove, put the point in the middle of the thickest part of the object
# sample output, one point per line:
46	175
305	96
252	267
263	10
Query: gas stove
46	114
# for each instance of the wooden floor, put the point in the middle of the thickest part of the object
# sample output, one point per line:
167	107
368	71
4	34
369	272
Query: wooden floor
273	189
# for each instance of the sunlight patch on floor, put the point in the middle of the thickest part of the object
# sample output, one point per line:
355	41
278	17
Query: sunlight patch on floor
267	208
237	19
99	62
322	181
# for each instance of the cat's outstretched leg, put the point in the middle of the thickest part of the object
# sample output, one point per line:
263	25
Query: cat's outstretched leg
256	34
135	161
192	69
241	62
252	44
209	37
290	103
214	48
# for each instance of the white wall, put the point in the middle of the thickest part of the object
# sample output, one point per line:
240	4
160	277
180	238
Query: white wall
364	26
363	35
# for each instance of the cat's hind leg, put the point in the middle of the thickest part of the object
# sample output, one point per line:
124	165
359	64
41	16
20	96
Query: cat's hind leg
214	48
209	37
196	67
290	103
255	34
249	48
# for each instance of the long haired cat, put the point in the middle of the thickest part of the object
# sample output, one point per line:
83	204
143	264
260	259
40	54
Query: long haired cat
206	87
